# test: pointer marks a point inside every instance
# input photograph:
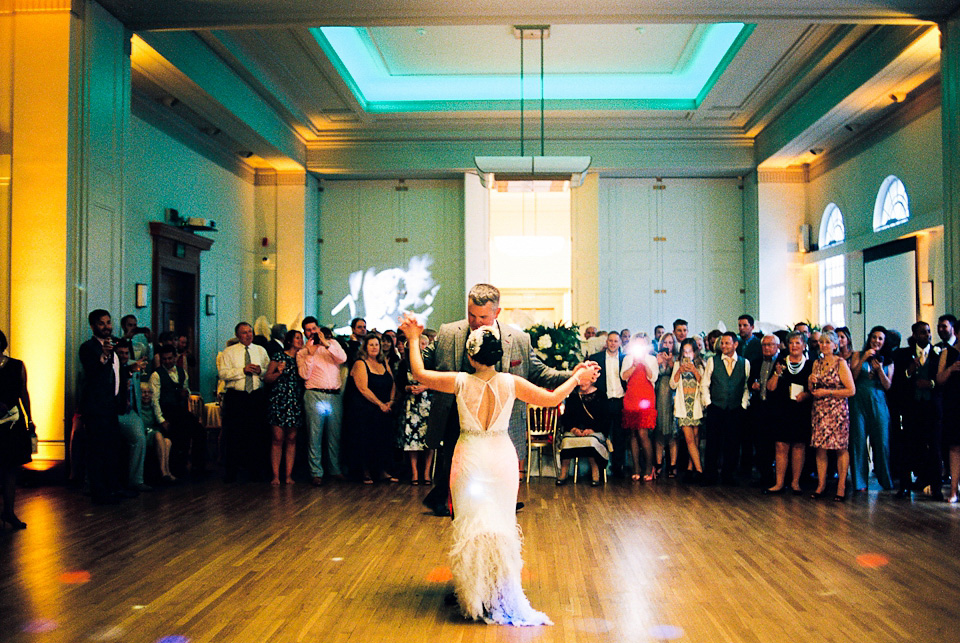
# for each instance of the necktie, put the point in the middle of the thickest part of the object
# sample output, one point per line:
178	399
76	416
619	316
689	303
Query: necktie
248	378
728	364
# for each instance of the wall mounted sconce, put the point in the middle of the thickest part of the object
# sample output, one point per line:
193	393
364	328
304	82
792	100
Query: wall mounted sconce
926	293
140	296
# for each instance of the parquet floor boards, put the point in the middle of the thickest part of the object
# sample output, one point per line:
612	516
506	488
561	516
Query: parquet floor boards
628	562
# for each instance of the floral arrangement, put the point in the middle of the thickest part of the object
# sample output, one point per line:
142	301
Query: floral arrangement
556	346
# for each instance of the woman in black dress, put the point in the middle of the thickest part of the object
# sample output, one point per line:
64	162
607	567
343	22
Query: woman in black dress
15	430
948	377
370	405
790	398
285	407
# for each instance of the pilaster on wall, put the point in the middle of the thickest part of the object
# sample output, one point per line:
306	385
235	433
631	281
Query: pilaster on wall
781	289
39	156
476	234
585	232
281	202
950	80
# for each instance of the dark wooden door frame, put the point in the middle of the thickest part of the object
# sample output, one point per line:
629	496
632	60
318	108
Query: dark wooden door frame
179	250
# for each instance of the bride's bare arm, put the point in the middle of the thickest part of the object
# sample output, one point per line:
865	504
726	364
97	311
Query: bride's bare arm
436	380
533	394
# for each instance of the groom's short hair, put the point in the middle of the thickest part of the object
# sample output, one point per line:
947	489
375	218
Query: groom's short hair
483	294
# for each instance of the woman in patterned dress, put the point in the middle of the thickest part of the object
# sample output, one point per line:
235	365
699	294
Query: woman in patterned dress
686	377
413	420
831	383
285	409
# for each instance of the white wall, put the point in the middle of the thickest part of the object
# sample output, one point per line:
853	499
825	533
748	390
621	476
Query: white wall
164	173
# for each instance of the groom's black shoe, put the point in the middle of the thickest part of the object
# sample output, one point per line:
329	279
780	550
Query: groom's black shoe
438	509
520	506
450	598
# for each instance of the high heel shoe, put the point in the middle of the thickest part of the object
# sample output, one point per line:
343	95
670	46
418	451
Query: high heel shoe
650	477
14	522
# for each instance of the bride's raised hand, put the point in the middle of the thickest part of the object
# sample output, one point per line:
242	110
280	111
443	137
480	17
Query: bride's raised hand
410	326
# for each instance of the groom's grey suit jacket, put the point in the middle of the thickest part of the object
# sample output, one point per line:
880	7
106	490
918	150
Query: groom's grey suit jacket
447	354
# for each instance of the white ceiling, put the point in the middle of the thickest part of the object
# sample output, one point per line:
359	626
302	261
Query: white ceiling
794	44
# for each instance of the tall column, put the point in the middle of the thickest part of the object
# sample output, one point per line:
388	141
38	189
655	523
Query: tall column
585	233
281	202
69	75
39	207
950	108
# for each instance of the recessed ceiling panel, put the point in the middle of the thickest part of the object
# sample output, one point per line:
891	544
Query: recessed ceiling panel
397	69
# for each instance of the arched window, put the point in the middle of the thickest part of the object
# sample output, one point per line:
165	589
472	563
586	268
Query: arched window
892	206
831	226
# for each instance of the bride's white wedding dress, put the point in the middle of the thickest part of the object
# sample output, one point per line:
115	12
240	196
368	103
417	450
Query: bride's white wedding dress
485	558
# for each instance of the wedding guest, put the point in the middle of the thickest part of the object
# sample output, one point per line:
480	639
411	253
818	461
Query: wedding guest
370	399
625	336
318	363
640	371
388	346
285	406
711	344
584	419
154	435
413	421
789	422
757	447
749	344
612	389
869	415
358	329
686	378
171	392
845	347
657	334
242	367
16	427
948	379
914	379
680	331
100	387
947	331
831	384
128	416
726	397
667	428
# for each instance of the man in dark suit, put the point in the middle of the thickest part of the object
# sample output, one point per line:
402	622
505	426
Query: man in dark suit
98	395
612	387
448	353
914	372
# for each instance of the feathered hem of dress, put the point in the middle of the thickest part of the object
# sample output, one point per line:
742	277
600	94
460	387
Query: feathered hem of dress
487	568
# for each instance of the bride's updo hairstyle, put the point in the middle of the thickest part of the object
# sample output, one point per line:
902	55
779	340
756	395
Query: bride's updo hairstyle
483	346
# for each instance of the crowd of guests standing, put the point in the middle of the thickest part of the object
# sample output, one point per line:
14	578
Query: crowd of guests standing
730	406
718	407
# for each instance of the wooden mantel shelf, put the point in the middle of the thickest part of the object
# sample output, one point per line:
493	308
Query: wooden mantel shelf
179	235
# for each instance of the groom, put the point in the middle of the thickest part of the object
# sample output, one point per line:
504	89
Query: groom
448	353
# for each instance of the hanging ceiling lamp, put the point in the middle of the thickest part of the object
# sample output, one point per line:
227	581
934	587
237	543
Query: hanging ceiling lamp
532	168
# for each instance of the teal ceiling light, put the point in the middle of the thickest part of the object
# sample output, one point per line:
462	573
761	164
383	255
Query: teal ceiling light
360	62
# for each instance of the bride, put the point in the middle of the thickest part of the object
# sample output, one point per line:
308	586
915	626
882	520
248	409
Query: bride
485	557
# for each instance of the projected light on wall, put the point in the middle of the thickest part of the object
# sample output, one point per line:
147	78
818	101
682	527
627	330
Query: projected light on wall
381	296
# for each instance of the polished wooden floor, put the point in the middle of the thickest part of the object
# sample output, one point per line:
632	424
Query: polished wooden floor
628	562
